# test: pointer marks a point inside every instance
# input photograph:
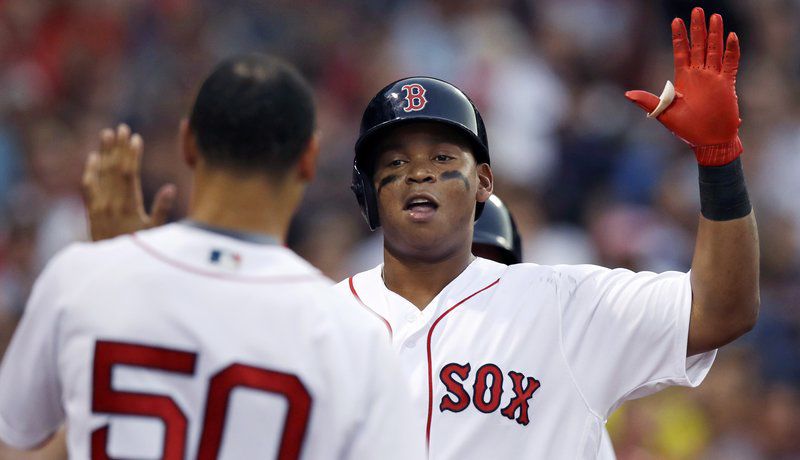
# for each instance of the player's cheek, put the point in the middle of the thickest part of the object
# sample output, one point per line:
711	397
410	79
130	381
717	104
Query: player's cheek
388	202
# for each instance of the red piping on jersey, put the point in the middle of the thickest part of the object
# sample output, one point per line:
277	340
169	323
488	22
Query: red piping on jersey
430	364
228	277
355	294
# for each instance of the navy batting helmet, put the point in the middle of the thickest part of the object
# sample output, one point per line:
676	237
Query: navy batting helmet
496	229
404	101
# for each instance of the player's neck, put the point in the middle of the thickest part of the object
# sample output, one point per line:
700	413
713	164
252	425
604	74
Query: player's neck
420	281
247	204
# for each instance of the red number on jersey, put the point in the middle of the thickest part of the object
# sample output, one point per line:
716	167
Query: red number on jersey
239	375
107	400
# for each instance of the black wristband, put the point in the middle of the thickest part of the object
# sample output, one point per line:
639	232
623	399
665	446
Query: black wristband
723	193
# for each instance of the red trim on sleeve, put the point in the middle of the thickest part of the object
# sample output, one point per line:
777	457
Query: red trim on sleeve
430	363
355	294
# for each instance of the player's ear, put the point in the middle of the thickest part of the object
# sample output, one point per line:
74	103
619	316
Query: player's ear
188	144
307	163
485	182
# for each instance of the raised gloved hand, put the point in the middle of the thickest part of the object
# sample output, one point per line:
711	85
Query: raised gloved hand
705	111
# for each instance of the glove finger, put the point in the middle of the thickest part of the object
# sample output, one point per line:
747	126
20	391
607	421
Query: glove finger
647	101
715	36
680	44
730	65
698	34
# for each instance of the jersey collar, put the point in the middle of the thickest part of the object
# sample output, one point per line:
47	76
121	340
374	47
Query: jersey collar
395	309
248	237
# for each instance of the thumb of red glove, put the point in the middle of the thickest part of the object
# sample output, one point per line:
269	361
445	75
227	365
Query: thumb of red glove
646	101
705	111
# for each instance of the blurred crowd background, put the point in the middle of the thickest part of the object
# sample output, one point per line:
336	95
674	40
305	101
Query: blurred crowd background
588	177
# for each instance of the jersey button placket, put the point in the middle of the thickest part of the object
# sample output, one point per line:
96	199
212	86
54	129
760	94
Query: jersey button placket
415	327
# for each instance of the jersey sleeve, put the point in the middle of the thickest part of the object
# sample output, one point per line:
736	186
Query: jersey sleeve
389	429
625	334
30	393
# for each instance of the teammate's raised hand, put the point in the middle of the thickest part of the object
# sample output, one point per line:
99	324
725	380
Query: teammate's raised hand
705	110
113	189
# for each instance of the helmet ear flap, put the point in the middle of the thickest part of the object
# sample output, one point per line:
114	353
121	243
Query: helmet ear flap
479	210
365	195
497	229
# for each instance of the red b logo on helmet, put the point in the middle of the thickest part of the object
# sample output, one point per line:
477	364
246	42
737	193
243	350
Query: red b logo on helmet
415	95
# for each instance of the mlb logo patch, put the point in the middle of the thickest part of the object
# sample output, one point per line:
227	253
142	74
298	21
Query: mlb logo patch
225	259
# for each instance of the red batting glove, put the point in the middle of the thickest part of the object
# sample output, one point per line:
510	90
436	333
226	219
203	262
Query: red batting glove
705	111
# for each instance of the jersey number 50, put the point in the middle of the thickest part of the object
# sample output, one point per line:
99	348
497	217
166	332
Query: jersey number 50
107	400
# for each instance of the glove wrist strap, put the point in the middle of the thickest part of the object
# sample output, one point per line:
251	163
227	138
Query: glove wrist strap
723	192
718	154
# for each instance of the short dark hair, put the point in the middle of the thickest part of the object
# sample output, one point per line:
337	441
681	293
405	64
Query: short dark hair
254	113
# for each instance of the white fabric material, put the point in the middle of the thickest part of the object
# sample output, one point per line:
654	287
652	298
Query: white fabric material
264	307
592	338
606	447
664	101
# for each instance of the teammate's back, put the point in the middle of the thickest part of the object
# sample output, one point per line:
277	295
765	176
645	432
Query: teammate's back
207	338
183	343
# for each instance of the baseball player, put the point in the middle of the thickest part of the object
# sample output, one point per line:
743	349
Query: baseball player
528	360
208	338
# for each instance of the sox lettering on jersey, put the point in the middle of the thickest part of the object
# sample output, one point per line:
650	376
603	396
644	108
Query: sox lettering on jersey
521	396
415	96
480	387
446	376
454	375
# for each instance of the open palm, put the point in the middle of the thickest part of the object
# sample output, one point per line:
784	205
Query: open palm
705	112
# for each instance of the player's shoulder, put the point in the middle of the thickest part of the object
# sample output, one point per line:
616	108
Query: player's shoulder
69	271
222	255
575	271
345	315
87	250
84	257
558	275
81	257
589	275
343	286
367	280
366	284
526	270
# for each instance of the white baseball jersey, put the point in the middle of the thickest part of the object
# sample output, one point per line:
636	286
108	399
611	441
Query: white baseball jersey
180	342
528	361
